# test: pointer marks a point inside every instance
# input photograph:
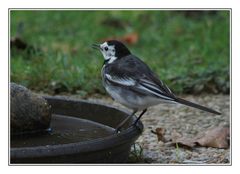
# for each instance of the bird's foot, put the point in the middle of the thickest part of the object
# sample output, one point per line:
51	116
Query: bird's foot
117	130
135	124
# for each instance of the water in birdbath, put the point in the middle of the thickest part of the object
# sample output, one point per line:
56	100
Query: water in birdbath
64	130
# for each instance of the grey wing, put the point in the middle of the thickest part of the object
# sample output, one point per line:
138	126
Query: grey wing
137	76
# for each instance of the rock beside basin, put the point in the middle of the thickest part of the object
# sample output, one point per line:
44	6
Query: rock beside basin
29	112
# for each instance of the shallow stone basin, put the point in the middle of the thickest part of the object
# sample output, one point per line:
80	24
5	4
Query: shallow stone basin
81	132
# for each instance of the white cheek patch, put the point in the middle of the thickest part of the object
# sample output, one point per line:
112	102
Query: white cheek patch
110	51
108	55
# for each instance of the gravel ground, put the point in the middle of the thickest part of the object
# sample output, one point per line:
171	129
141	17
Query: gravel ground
186	121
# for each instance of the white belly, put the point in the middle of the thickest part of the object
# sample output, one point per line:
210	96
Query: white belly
131	99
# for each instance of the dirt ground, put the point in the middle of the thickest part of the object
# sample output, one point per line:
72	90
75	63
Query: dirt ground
186	121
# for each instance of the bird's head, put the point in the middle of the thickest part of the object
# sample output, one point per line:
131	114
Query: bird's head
112	50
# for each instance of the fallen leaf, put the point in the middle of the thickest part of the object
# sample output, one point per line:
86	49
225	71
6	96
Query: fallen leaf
217	137
18	43
160	132
131	38
175	135
181	141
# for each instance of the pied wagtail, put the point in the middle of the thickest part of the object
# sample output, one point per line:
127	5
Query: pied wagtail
132	83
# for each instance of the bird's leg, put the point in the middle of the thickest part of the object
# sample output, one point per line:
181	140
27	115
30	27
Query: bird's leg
143	112
124	121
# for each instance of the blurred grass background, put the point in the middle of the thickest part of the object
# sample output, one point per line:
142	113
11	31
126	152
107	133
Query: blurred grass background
51	50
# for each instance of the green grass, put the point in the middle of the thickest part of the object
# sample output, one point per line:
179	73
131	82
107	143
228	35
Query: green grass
189	53
136	154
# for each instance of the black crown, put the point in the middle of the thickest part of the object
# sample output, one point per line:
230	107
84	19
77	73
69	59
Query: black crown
120	48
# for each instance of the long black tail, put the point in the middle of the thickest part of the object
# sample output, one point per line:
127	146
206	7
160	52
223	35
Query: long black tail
188	103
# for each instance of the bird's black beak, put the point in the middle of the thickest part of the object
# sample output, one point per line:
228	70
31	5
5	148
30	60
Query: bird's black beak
96	46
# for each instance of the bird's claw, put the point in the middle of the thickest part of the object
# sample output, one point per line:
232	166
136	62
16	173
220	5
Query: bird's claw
117	130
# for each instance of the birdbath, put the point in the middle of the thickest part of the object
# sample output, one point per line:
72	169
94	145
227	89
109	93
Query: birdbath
80	132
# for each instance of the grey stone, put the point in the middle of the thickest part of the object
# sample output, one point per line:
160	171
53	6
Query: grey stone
29	112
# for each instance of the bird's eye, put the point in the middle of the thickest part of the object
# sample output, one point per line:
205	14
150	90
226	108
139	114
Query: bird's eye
106	48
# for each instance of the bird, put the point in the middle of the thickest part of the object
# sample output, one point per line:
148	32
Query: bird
131	82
